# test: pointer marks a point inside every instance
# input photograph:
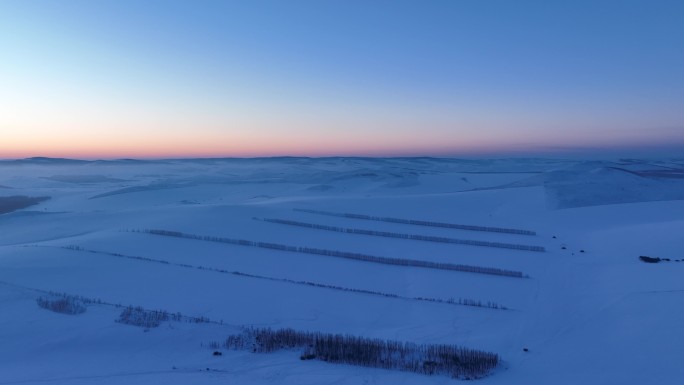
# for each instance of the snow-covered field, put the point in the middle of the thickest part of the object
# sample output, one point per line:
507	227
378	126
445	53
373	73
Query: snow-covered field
587	310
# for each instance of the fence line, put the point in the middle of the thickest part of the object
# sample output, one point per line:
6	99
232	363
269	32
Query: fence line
450	301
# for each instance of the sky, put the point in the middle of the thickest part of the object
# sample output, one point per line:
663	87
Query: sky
158	79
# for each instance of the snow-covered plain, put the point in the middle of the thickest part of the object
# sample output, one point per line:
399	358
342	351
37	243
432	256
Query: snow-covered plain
590	311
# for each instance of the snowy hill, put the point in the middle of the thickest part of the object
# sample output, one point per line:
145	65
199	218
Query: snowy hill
353	246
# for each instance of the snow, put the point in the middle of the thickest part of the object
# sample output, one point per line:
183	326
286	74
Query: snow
594	317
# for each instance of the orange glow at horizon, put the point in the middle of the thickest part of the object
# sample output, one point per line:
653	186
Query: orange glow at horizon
181	134
251	143
219	147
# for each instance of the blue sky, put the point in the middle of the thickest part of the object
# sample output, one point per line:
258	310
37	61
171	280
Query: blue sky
252	78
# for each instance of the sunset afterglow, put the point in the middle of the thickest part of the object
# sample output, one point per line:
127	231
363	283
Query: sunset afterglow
110	79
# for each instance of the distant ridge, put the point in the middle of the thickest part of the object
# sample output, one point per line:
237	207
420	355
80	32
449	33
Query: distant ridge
67	161
46	160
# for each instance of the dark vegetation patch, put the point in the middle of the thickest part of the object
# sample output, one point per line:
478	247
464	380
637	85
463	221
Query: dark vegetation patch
648	259
132	315
18	202
450	360
420	222
137	316
415	237
344	254
62	303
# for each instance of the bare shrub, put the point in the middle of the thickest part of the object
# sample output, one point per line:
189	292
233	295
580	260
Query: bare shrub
648	259
138	316
64	304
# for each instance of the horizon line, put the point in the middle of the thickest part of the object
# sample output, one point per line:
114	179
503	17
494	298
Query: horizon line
454	157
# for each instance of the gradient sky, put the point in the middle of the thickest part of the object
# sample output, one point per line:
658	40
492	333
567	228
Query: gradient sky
108	79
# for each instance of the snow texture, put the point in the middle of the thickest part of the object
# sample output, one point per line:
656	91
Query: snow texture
80	270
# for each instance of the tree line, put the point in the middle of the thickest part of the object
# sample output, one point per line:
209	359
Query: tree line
137	316
345	254
451	360
417	237
132	315
419	222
